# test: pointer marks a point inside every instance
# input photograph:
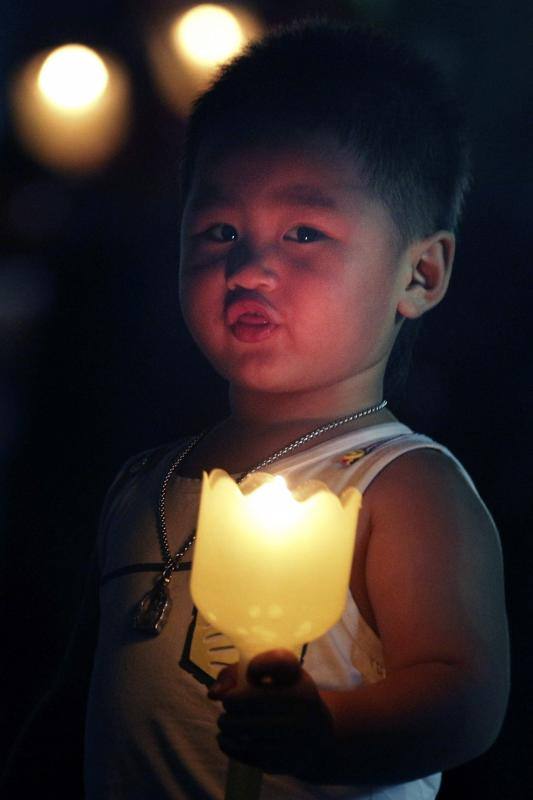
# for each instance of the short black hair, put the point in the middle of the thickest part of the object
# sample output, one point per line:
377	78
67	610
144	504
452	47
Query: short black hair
390	107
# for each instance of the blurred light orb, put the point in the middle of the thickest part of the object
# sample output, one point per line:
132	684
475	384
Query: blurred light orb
186	49
73	77
208	34
71	108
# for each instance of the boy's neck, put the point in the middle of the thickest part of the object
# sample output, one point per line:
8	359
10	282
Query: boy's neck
261	425
259	412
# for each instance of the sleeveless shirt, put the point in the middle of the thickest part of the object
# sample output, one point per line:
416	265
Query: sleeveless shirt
150	732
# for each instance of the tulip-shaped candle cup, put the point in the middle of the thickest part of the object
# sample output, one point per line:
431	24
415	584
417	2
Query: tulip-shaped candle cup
271	567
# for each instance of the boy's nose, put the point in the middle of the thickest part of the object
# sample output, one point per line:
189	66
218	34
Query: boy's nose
251	270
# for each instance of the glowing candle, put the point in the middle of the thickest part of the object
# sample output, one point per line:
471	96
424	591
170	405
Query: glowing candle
271	567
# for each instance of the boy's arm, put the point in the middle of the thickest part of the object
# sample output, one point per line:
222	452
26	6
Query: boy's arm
434	580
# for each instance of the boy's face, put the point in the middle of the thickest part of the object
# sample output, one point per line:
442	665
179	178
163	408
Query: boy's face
289	270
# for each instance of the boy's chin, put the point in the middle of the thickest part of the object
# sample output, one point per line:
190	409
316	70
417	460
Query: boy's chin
271	385
255	375
266	387
269	375
262	382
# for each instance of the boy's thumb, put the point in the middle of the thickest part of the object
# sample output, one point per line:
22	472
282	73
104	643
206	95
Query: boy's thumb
226	680
275	667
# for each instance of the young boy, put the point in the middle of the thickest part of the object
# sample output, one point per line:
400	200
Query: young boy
323	178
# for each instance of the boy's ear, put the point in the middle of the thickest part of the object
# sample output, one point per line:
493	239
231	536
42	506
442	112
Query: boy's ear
427	269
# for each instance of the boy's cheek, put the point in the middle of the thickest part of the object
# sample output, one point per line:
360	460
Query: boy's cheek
201	303
202	264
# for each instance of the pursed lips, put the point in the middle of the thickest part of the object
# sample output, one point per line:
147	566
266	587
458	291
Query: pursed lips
251	319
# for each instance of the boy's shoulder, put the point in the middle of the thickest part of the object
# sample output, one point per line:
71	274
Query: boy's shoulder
149	464
154	458
426	502
423	467
427	475
403	458
146	460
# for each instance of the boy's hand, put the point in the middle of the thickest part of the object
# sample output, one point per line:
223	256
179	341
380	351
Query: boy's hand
278	722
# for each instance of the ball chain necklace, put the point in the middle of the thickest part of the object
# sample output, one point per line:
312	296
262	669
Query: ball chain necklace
153	610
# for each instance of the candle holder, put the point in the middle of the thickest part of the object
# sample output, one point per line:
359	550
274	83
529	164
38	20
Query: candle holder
271	569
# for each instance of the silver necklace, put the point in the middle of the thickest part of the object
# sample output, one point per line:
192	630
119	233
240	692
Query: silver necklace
154	608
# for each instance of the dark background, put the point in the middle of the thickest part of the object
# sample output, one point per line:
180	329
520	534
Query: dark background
96	365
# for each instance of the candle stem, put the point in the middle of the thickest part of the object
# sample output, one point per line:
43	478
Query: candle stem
242	782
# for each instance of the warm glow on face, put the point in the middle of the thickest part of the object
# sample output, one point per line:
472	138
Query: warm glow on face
208	34
73	78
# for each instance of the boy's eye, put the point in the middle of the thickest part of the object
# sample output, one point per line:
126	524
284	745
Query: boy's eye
304	235
222	232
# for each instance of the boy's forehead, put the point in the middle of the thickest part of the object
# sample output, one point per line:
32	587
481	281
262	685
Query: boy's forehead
312	170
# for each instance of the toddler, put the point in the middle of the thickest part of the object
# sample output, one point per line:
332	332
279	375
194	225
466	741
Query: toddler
323	178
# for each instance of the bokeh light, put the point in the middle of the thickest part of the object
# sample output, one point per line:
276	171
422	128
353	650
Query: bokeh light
70	108
208	34
73	77
185	50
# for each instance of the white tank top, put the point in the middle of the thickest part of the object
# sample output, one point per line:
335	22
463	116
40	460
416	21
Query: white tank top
150	728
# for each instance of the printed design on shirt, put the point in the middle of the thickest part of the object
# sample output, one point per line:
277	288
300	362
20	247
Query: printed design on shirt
207	651
353	456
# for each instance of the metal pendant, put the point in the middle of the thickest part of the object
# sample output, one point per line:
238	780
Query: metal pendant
153	610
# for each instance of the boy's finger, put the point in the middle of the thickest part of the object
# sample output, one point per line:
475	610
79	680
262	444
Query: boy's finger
226	680
275	667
